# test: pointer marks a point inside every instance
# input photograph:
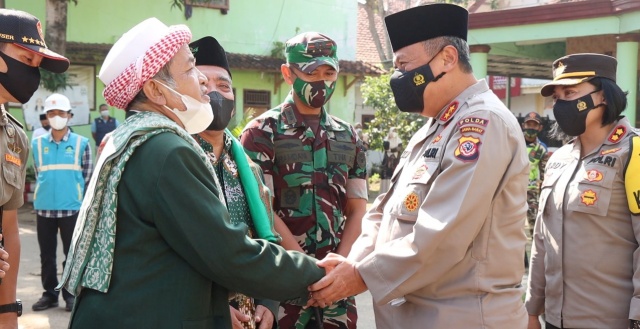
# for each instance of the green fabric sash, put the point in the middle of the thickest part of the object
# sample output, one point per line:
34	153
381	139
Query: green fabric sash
90	257
262	217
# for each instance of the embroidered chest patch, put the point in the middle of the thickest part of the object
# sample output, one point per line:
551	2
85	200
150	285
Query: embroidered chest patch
589	197
411	201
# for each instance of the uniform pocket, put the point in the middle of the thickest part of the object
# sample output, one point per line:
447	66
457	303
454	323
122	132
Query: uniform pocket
12	175
594	190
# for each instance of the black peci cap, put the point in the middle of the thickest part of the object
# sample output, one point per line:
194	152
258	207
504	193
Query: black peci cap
573	69
25	30
208	51
426	22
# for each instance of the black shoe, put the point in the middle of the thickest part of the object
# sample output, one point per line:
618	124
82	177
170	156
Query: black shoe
44	303
69	302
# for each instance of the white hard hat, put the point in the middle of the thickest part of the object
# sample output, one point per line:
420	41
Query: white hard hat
57	102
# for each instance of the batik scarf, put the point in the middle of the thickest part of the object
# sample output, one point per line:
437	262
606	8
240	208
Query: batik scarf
90	258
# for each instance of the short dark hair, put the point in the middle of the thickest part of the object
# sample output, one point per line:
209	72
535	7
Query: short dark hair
433	46
3	45
101	105
163	75
615	97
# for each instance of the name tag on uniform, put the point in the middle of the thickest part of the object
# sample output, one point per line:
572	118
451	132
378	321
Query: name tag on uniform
10	158
291	151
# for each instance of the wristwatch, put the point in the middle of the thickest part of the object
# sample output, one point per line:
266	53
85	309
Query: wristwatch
13	307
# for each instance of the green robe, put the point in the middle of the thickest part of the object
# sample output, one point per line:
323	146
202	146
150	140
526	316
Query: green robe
171	269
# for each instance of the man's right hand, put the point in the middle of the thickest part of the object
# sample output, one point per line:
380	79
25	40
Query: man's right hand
534	322
237	318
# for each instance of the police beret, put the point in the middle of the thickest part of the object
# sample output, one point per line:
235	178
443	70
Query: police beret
208	51
426	22
577	68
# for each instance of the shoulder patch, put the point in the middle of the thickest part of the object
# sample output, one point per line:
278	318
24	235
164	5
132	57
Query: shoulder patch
472	129
617	134
468	148
14	120
473	121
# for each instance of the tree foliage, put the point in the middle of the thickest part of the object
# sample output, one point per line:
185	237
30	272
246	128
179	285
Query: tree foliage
377	94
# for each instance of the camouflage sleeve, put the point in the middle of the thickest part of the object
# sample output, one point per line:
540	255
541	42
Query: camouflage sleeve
356	187
543	164
359	168
258	145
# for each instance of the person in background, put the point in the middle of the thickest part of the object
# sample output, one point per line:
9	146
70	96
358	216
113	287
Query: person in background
22	52
43	129
103	124
538	156
585	260
63	164
315	164
443	248
154	246
244	197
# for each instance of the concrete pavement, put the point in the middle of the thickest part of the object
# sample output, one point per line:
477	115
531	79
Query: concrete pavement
30	287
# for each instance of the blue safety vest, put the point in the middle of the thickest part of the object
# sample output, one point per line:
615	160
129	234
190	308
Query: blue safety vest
60	184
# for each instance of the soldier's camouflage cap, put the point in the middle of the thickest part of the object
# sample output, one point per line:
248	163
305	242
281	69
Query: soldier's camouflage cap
307	51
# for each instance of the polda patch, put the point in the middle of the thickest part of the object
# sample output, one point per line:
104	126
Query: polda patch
468	148
473	121
472	129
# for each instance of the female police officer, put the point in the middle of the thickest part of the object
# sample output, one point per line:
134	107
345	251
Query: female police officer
585	258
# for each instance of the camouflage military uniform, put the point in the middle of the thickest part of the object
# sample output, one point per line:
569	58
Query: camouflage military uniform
538	157
310	173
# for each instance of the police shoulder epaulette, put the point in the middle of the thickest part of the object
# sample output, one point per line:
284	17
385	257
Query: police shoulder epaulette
14	120
632	175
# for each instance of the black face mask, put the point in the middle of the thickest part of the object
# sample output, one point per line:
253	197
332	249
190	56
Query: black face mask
46	127
223	110
21	80
572	115
408	87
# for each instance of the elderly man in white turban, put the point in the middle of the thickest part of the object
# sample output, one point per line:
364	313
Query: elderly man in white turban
154	247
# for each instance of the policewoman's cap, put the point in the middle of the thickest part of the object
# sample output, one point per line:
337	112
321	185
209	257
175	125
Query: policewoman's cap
137	57
533	116
25	31
426	22
577	68
307	51
208	51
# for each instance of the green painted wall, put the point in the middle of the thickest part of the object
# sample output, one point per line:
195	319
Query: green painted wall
249	27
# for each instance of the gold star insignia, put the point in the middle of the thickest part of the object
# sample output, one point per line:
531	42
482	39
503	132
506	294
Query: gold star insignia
24	39
31	40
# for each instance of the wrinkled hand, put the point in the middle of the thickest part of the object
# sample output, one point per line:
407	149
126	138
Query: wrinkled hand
343	280
264	317
237	318
534	322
